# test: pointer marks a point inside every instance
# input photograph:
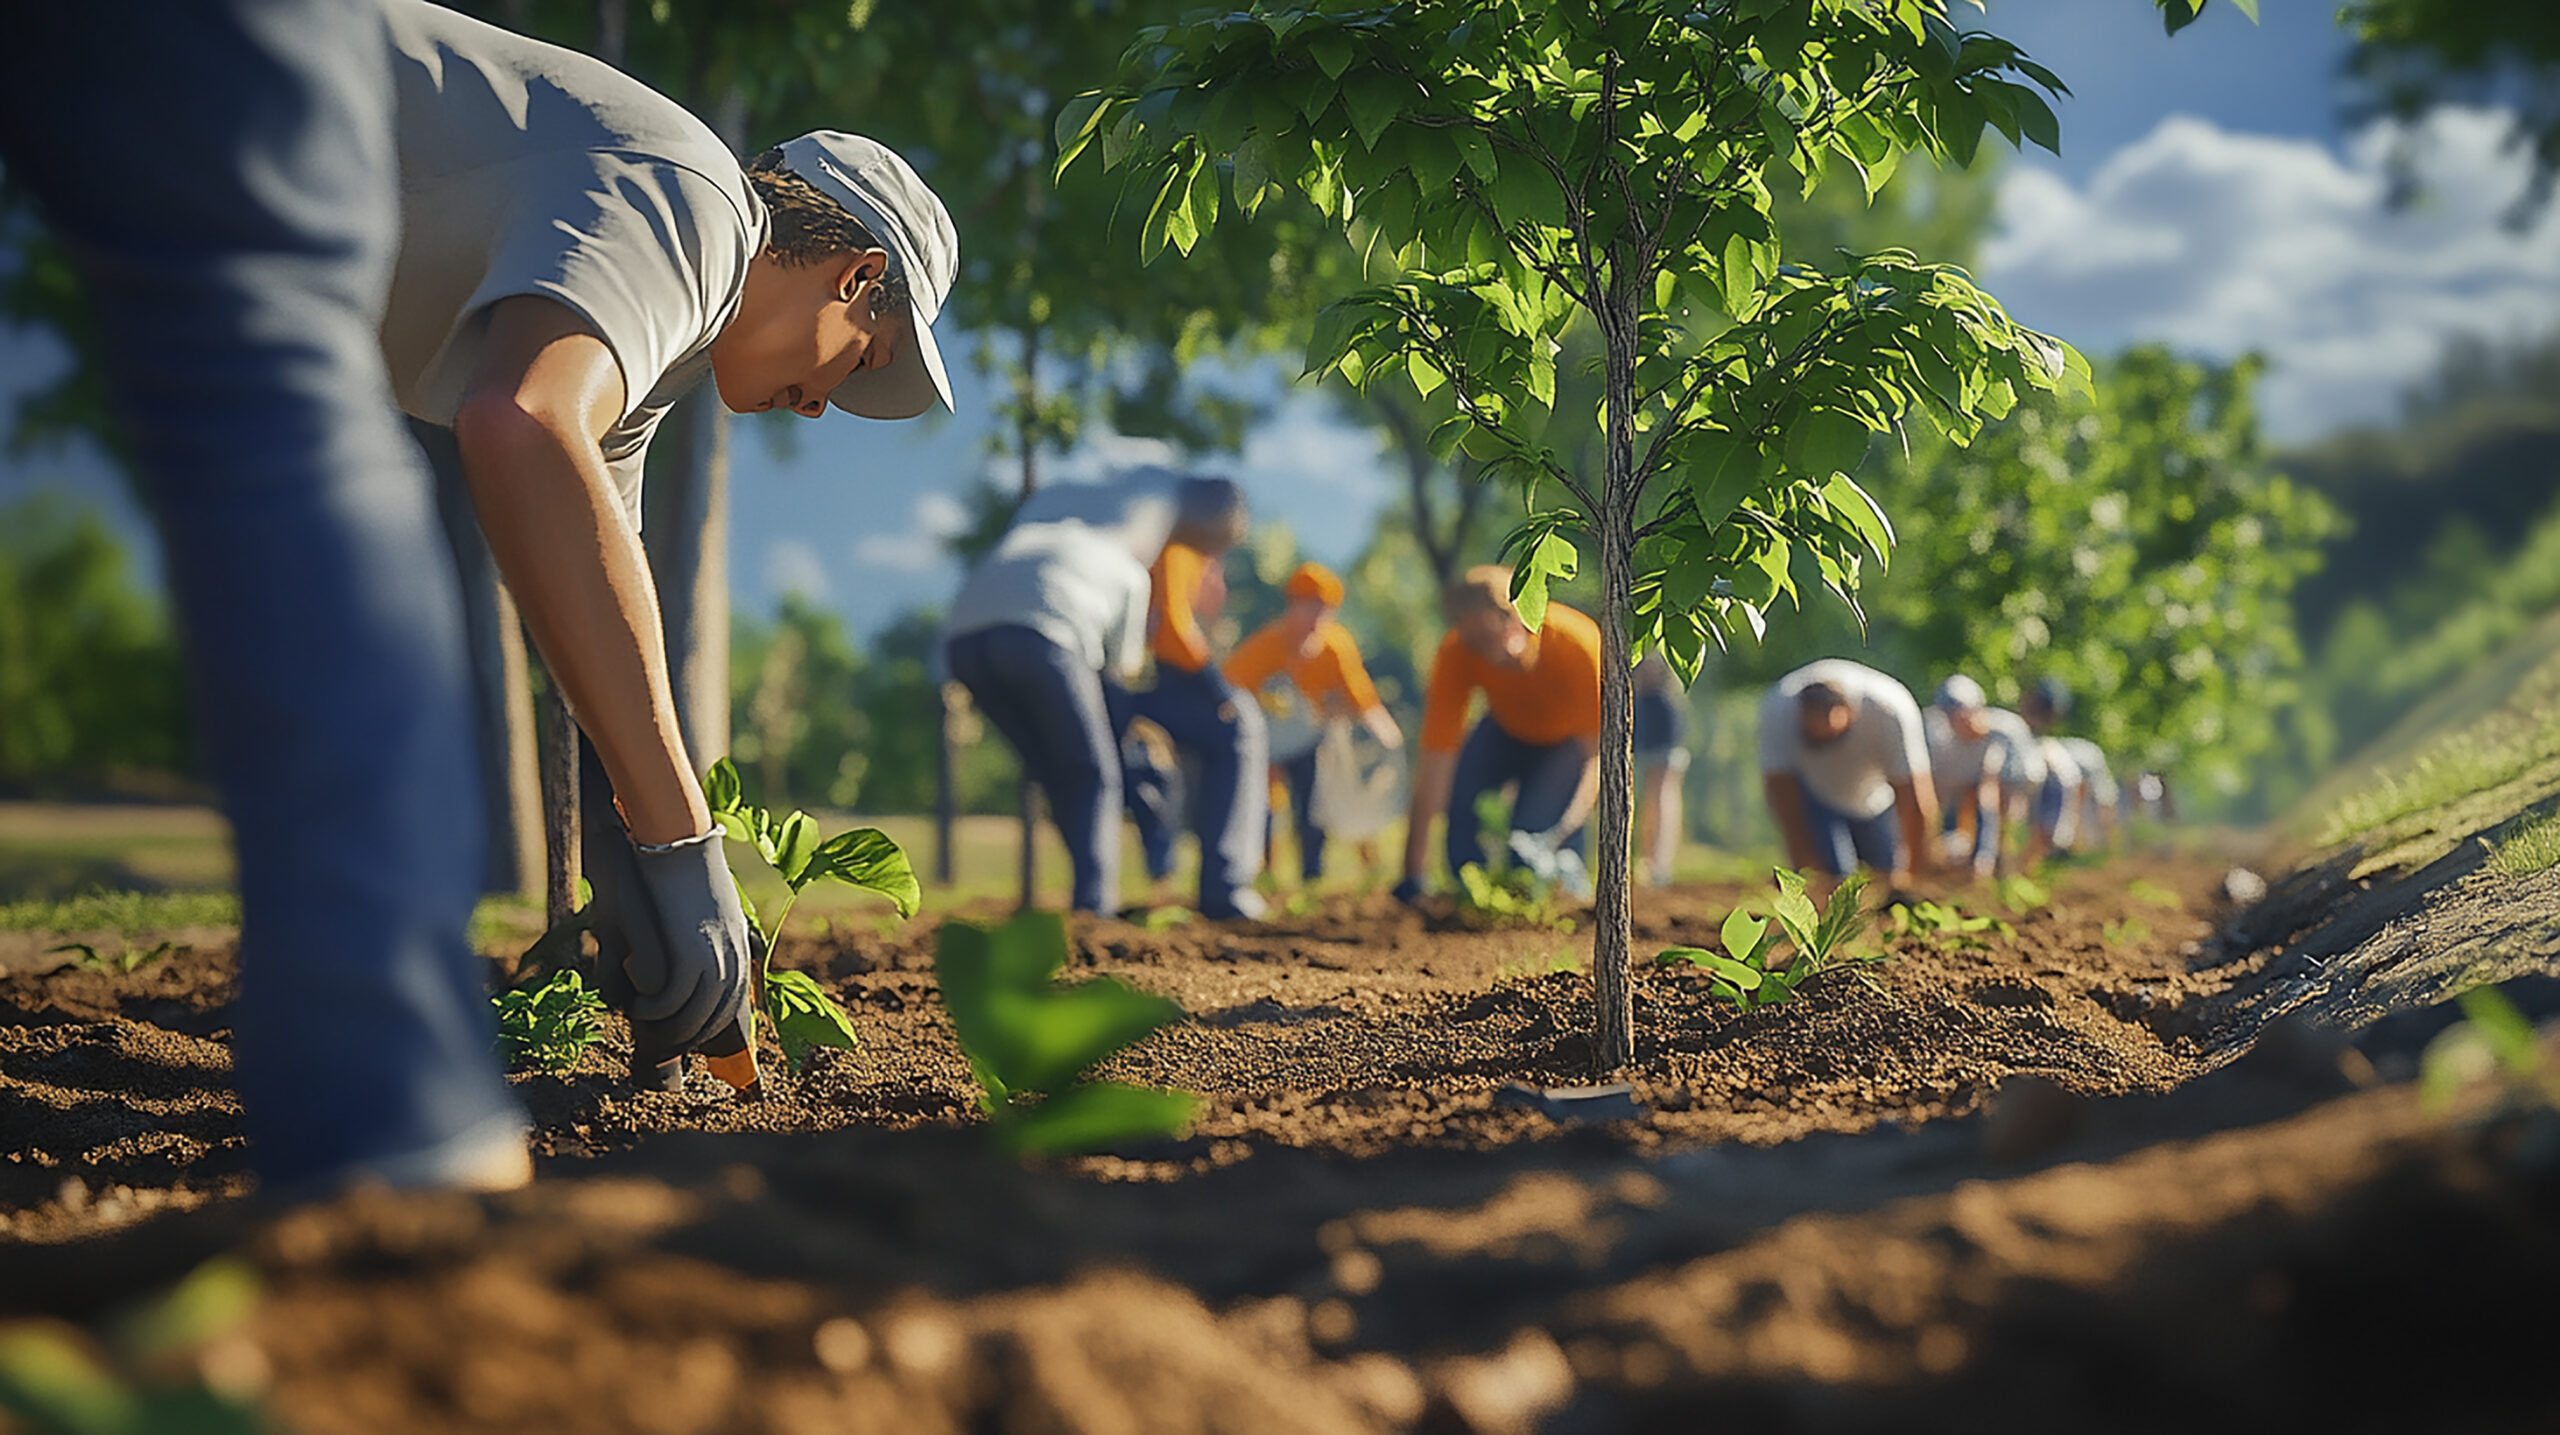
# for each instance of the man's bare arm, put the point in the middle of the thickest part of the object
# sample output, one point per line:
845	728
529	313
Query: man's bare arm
1917	804
1786	803
530	430
1586	791
1432	777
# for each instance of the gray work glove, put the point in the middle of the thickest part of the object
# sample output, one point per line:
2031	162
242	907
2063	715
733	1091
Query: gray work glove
672	947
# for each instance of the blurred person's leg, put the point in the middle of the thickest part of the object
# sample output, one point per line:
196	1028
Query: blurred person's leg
224	175
1489	761
1209	720
1549	777
1300	771
1050	708
1835	848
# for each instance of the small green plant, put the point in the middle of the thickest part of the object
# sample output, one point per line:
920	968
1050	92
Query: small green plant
2150	893
2126	932
132	959
1032	1042
2532	848
1511	897
1745	973
1521	969
1165	919
2494	1041
1302	903
549	1026
181	1363
1942	922
2021	894
801	1013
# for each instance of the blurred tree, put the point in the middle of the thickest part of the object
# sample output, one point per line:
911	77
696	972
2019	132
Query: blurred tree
2414	55
91	688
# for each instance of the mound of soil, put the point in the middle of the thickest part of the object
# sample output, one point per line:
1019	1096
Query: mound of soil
2101	1170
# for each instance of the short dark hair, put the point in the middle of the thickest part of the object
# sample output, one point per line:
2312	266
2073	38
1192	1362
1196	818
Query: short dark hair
1485	588
808	227
1210	513
1821	697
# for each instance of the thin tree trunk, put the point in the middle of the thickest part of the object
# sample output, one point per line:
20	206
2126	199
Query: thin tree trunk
1027	440
946	783
613	31
1613	938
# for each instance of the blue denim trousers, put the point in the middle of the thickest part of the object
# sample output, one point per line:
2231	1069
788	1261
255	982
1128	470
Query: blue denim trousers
1491	759
1841	842
1050	707
1217	727
1299	774
224	174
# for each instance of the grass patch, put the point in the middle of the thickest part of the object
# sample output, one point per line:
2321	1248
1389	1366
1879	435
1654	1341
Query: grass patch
2534	847
126	913
2480	759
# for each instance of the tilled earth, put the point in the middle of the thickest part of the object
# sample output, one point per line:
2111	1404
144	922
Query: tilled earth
2033	1181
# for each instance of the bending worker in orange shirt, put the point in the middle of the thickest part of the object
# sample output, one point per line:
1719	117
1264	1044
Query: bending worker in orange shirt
1541	731
1323	664
1211	723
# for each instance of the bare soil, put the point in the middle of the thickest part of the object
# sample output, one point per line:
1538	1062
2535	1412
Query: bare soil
2137	1162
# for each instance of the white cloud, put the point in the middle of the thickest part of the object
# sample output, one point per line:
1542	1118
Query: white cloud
2219	242
933	518
791	566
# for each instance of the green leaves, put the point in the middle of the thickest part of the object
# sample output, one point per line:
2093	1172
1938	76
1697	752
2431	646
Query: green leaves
805	1017
1745	973
548	1027
1546	556
1033	1043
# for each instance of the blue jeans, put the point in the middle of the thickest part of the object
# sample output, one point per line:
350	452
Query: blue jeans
1051	708
1547	773
224	174
1299	773
1217	728
1841	842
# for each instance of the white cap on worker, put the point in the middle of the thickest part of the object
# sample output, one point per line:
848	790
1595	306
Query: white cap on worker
1960	694
882	190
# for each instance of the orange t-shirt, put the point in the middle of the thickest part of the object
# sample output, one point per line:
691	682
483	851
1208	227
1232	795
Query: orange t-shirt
1557	696
1334	671
1173	628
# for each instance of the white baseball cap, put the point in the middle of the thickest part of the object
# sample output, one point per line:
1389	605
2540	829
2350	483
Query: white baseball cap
1959	694
882	190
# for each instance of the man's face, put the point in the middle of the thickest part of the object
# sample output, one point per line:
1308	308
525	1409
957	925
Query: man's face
1967	724
1305	616
801	330
1498	637
1824	722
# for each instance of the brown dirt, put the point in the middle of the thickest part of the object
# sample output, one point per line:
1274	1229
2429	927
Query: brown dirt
2033	1183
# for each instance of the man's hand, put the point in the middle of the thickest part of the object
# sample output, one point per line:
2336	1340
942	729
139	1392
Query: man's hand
673	950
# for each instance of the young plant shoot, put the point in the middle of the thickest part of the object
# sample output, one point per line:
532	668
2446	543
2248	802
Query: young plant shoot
547	1027
1746	973
802	1015
1032	1042
1517	167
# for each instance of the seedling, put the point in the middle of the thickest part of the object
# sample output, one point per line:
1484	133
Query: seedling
1165	919
181	1363
132	959
2127	931
1562	959
803	1016
2144	890
1942	922
1032	1042
548	1027
1512	897
2022	894
1745	973
2494	1041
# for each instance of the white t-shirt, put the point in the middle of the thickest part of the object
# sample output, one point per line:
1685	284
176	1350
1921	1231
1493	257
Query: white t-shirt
2095	776
1853	774
1073	567
2007	750
529	169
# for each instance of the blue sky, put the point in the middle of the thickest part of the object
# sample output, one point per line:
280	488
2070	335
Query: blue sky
2209	194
